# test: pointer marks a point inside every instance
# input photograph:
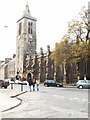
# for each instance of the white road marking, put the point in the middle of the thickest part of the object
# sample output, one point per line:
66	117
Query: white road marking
60	97
84	100
78	99
70	99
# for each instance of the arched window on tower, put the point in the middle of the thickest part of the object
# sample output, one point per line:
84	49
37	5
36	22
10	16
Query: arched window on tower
20	27
29	27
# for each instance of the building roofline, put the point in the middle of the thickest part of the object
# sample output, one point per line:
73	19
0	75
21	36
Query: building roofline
32	18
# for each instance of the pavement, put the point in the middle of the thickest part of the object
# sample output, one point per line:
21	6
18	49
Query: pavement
69	86
9	98
33	98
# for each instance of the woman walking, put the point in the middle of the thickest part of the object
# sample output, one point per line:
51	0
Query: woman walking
30	82
37	84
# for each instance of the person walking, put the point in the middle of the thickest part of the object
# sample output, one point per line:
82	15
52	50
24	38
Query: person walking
34	82
37	84
30	82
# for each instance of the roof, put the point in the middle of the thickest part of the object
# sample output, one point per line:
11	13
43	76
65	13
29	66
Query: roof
27	14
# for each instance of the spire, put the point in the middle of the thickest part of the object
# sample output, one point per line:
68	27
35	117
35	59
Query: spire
27	14
27	11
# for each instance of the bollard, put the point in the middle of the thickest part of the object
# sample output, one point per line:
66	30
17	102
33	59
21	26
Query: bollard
11	85
21	86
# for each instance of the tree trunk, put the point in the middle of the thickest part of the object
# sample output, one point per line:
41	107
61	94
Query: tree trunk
88	69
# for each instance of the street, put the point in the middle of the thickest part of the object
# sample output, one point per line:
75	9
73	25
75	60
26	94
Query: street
51	102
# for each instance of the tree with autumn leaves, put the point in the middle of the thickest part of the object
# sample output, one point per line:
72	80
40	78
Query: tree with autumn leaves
74	47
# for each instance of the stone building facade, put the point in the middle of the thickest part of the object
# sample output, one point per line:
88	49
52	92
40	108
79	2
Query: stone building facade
11	68
43	67
7	68
2	69
25	39
40	64
27	59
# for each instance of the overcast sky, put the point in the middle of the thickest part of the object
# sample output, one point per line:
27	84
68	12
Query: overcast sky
52	20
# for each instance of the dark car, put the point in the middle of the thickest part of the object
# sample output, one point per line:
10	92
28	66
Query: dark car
52	83
4	83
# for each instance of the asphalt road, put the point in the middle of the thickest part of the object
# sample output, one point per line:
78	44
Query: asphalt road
52	102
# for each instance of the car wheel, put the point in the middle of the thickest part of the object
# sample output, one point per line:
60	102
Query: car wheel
45	85
80	87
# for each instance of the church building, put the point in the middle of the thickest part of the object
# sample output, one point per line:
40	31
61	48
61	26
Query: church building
25	39
27	58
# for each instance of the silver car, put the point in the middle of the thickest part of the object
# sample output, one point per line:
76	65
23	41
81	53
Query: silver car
83	84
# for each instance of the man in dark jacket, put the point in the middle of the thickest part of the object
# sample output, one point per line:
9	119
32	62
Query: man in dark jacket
30	82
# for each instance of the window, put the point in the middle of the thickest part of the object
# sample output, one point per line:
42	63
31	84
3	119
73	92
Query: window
83	81
88	81
31	31
20	27
52	81
29	27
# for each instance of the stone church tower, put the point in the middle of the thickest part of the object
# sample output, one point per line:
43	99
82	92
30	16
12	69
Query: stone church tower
25	39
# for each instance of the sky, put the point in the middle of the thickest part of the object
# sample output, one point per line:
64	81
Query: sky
52	21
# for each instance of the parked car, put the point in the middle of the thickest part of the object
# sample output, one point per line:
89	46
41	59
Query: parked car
4	83
52	83
83	84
